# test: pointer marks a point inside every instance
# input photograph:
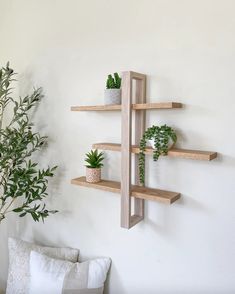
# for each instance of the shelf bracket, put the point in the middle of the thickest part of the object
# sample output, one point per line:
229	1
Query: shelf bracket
127	219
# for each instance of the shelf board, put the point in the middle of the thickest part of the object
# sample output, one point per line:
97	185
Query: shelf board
159	105
174	152
137	191
96	108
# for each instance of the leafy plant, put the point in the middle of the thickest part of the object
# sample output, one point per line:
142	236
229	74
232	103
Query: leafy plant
23	186
113	82
94	159
161	136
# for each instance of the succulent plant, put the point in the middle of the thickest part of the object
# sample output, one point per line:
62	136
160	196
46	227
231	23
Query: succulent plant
94	159
113	82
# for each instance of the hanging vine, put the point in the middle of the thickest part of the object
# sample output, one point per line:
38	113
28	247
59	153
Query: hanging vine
161	136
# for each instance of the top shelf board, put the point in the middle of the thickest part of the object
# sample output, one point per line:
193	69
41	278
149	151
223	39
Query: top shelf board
159	105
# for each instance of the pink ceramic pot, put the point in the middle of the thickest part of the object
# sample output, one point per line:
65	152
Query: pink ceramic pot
93	175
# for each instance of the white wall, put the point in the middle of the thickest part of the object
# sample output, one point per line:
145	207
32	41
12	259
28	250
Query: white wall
187	49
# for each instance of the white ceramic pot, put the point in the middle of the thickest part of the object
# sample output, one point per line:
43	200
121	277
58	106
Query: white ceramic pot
112	96
170	143
93	175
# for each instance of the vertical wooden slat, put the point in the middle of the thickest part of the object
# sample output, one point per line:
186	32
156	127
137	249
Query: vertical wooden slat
128	220
140	117
126	150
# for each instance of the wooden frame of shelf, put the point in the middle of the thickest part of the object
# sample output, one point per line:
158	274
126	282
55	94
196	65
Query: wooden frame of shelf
128	220
125	187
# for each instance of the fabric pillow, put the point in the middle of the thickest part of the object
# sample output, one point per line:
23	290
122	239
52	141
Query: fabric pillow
53	276
19	257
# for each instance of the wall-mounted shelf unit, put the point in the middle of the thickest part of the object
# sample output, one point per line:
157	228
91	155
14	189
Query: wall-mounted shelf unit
125	188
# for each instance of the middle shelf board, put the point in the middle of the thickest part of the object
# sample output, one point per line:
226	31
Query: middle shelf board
159	105
137	191
174	152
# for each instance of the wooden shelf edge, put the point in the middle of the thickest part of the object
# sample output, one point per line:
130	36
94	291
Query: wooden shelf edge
139	106
104	185
96	108
159	105
174	152
137	191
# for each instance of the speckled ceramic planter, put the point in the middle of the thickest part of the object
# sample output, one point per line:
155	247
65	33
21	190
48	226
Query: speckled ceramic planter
112	96
93	175
170	143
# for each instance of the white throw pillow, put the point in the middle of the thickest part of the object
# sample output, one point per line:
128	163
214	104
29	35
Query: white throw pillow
53	276
19	258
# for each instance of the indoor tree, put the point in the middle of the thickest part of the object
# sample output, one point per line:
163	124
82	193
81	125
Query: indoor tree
23	185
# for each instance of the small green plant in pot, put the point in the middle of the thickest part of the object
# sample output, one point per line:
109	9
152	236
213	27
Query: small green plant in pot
161	138
112	93
94	160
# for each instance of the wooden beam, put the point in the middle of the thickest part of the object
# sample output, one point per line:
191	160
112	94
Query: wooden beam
126	136
140	117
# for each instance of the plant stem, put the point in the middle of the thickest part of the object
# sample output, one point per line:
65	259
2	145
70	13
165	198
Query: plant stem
8	206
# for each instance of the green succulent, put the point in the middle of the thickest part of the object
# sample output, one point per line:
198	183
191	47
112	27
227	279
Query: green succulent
161	136
113	82
94	159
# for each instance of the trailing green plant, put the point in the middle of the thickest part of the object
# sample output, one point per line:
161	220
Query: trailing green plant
94	159
113	82
161	136
23	185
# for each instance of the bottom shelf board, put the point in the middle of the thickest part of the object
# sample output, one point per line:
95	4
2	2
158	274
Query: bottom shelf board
137	191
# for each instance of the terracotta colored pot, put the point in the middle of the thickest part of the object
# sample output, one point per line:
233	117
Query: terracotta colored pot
93	175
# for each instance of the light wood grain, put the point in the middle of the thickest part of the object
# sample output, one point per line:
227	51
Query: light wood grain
140	117
136	75
96	108
138	106
160	105
174	152
135	219
126	136
166	197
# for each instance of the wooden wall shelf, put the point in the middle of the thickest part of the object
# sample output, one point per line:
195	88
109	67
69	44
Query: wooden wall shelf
136	191
174	152
135	127
139	106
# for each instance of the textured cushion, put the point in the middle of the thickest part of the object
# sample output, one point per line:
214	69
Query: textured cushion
19	257
53	276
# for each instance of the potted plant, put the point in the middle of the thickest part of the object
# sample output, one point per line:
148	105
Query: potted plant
161	138
93	168
23	183
112	93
